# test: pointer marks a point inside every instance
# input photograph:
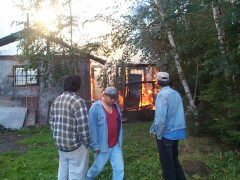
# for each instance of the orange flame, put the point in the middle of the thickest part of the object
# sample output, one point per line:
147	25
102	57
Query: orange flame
146	96
120	99
91	82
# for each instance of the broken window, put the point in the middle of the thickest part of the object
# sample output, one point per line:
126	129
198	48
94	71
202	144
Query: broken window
24	77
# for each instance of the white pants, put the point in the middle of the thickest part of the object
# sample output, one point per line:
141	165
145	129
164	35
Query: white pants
116	158
74	164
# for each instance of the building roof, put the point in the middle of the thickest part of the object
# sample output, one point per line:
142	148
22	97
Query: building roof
15	37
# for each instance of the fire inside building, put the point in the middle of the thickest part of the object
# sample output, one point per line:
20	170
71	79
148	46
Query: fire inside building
137	90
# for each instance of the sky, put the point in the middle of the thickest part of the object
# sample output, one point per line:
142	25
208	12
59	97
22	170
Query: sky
87	8
8	13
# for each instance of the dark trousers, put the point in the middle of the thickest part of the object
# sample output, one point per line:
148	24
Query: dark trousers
168	153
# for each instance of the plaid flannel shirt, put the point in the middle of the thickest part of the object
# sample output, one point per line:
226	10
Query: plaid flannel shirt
69	122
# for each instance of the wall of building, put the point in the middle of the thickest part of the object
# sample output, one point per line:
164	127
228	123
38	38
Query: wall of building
11	96
6	80
84	73
39	96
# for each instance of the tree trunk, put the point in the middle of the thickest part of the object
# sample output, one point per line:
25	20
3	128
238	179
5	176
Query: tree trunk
216	13
220	32
71	40
178	65
196	85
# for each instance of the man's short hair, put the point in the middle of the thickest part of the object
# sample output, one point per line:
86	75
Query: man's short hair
72	83
163	83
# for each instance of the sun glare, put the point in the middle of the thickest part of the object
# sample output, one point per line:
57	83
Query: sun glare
82	11
48	17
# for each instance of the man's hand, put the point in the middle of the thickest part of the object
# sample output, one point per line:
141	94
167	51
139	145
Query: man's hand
97	151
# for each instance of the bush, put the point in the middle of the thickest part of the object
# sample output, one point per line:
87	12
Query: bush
223	102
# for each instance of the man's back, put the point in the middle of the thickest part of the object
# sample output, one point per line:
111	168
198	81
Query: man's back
173	107
175	115
69	117
168	125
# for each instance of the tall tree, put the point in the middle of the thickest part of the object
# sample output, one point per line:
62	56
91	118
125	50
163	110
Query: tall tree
178	65
53	51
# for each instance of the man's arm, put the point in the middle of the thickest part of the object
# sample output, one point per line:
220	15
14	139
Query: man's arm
83	122
160	115
93	130
51	117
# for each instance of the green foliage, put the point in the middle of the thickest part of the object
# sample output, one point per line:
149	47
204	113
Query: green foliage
107	75
54	53
221	99
226	165
40	162
203	57
196	176
213	63
228	131
140	153
33	130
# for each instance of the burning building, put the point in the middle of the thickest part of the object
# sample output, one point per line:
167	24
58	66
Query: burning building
137	90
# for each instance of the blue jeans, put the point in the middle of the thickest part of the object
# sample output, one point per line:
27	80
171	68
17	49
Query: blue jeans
116	158
74	164
168	153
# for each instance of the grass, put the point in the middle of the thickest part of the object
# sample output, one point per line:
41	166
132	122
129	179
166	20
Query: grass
140	157
40	162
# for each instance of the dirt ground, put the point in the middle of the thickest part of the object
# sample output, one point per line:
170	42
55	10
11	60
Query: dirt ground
8	141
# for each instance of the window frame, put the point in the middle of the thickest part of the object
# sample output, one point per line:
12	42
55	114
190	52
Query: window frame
22	80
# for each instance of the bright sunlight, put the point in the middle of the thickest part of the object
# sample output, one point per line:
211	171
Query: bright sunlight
48	17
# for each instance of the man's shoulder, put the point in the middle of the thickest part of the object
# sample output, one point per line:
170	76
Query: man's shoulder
58	98
168	91
77	97
96	103
77	100
71	98
95	106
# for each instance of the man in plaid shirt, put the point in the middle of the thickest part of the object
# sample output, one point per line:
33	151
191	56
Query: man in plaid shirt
70	125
